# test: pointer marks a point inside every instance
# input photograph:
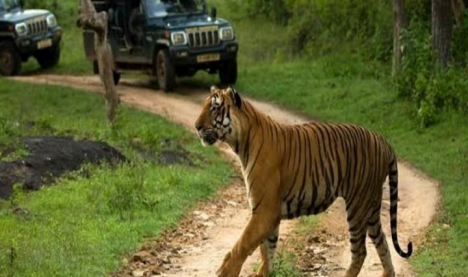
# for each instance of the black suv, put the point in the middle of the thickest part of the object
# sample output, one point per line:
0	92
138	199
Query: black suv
26	33
167	38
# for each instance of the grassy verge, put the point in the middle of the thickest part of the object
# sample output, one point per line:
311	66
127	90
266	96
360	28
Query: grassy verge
88	220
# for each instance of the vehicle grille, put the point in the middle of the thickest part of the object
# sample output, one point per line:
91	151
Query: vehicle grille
37	26
203	38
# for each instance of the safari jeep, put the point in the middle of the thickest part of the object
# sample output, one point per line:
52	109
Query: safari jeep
166	38
26	33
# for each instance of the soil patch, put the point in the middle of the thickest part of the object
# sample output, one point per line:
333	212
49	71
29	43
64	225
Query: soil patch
50	157
172	153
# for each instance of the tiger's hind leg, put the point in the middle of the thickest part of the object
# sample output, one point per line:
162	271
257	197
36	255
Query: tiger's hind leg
268	250
380	242
357	222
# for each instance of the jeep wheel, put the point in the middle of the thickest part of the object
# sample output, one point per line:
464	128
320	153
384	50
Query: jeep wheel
10	59
165	71
228	72
49	57
115	74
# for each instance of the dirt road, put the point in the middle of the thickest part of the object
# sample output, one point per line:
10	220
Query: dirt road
199	245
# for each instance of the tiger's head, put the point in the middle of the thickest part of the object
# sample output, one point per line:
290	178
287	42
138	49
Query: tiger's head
218	119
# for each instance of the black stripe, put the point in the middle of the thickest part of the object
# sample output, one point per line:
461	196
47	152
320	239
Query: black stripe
313	199
328	166
301	194
246	148
377	233
295	159
346	148
393	207
258	203
378	240
256	158
273	240
290	215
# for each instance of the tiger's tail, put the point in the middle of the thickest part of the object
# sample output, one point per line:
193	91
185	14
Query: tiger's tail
393	181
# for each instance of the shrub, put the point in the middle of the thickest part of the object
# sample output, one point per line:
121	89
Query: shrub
430	88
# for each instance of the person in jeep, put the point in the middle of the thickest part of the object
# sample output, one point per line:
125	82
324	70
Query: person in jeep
166	38
26	33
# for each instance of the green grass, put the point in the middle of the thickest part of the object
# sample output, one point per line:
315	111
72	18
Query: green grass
84	226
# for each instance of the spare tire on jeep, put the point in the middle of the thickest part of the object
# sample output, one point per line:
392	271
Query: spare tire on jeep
10	59
49	57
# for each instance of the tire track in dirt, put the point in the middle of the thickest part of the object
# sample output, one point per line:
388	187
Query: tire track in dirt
324	253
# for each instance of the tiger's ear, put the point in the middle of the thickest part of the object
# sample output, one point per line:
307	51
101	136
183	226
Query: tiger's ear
214	89
235	97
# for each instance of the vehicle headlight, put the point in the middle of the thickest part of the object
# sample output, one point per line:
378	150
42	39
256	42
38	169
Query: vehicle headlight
51	21
226	33
21	29
179	38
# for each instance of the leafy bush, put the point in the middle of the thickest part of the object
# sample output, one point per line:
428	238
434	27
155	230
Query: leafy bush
65	11
52	5
460	42
430	89
317	26
357	36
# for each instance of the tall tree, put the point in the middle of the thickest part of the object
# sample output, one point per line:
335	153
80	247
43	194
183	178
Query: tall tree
399	23
442	26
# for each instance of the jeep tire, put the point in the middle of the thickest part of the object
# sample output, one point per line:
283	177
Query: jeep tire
49	57
165	71
115	74
10	59
228	72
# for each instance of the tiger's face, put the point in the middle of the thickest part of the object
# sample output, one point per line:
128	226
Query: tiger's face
217	120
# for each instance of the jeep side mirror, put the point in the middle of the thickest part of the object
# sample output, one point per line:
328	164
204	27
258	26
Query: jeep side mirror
213	13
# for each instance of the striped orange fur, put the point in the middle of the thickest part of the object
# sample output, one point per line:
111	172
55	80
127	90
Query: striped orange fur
297	170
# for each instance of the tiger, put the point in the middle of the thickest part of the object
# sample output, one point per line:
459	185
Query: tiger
297	170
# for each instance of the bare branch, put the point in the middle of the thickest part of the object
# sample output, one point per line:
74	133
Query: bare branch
88	18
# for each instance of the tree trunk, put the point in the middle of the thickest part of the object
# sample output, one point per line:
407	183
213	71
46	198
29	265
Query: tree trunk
441	31
89	19
458	7
399	23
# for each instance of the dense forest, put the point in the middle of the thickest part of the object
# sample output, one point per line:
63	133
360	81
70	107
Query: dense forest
423	44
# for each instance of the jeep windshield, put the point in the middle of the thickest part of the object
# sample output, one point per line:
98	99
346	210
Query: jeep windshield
8	4
163	8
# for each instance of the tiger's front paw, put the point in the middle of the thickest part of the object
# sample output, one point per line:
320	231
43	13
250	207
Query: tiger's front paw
230	267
